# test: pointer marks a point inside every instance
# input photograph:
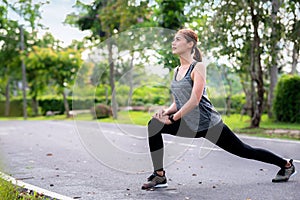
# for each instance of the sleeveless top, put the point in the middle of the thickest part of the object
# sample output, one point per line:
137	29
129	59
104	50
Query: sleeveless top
203	116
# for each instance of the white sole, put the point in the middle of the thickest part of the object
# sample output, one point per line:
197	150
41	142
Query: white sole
161	185
293	174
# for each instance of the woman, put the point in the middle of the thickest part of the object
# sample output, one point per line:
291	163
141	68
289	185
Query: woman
192	115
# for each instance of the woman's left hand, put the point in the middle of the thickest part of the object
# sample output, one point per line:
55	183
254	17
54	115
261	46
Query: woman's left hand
163	119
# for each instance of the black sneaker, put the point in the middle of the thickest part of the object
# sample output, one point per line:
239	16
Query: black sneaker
155	181
285	173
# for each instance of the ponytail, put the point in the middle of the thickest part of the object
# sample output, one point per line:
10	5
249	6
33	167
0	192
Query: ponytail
197	54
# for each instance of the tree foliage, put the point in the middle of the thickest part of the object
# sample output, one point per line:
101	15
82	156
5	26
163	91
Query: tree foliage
48	66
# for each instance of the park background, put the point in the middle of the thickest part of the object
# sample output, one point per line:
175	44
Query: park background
120	71
251	50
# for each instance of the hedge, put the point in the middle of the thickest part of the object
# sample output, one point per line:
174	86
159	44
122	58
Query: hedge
49	104
286	105
55	103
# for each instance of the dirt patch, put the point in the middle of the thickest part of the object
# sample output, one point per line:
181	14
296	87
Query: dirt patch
284	132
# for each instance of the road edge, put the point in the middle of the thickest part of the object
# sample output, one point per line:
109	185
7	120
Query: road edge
30	187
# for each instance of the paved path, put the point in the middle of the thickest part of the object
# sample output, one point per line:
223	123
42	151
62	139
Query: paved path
52	155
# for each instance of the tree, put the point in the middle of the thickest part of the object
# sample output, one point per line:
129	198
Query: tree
105	18
67	63
29	13
255	65
38	76
9	55
57	67
237	30
274	51
170	15
293	33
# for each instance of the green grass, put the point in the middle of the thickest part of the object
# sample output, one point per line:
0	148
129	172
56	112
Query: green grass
8	191
130	117
239	124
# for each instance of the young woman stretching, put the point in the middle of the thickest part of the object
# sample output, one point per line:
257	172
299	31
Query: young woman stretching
192	115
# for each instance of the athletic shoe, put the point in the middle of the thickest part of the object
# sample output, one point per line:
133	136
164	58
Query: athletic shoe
155	181
285	173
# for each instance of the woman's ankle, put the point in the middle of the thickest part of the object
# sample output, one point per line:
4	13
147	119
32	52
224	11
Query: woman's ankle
288	165
161	173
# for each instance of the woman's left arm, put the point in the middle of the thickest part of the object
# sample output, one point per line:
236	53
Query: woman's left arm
198	76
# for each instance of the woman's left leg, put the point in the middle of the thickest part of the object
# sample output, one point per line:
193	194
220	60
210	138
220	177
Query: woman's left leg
231	143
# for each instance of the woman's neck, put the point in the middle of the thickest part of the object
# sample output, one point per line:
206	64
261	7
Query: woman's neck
185	60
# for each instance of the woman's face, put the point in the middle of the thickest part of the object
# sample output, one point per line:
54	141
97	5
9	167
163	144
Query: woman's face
180	45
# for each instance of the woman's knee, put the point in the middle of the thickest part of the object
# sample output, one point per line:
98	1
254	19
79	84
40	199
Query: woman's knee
154	127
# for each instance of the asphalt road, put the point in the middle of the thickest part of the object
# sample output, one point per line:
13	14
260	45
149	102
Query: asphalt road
89	160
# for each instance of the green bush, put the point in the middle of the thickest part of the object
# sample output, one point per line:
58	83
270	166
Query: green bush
150	95
237	103
16	107
101	111
55	104
50	103
286	106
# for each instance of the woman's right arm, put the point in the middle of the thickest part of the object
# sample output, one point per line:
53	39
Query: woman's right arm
172	109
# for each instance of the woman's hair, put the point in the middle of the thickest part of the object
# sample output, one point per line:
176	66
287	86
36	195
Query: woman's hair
191	36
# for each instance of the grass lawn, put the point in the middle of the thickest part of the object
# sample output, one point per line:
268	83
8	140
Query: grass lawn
8	191
238	123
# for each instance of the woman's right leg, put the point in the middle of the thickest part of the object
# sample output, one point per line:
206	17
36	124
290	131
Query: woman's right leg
155	139
156	145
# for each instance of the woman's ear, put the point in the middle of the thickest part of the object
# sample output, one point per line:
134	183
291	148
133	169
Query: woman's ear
191	44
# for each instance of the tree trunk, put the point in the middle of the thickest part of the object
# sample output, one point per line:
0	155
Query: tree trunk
228	98
274	57
296	41
66	104
295	57
112	80
247	108
7	99
35	105
131	79
257	73
24	82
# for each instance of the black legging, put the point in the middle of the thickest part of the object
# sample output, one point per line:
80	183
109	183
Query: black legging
220	135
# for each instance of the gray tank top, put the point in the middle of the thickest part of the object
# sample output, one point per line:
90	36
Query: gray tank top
202	117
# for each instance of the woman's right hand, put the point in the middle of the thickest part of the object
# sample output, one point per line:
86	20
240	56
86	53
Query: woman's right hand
159	113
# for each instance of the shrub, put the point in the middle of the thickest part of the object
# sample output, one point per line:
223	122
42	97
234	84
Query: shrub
50	103
16	107
286	106
101	111
237	102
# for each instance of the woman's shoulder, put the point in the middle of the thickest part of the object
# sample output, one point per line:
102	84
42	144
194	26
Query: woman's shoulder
199	64
200	68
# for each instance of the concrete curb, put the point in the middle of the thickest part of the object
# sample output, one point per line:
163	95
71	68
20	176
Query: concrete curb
30	187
